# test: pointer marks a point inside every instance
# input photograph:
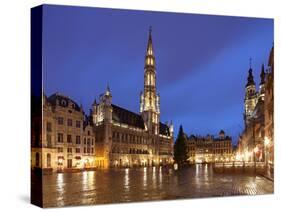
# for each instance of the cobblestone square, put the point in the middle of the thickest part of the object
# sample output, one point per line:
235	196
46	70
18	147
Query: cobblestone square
147	184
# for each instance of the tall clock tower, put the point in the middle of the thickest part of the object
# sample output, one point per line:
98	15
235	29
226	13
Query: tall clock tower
250	97
149	99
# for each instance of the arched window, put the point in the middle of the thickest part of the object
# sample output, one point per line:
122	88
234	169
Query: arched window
63	102
48	160
37	159
152	79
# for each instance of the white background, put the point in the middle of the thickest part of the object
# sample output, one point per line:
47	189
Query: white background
15	107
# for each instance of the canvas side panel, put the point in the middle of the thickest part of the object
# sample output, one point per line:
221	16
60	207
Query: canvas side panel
36	106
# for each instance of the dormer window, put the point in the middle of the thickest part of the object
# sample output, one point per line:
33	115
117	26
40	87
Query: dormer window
63	102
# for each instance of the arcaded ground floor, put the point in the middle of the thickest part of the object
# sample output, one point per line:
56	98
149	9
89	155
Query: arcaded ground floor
147	184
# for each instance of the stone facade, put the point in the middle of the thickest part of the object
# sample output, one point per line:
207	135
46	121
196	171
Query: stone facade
209	149
256	141
110	136
125	138
269	112
67	140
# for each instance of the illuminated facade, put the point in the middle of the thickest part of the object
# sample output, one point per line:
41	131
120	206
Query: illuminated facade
209	149
110	136
66	140
256	142
125	138
269	112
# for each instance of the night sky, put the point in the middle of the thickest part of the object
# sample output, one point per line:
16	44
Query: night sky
202	61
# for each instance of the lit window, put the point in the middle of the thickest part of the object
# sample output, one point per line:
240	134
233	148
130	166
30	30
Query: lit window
69	122
69	139
49	140
78	141
60	149
49	127
78	124
60	137
60	120
48	160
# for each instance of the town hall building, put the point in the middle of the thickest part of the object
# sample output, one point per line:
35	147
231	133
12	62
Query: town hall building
125	138
110	136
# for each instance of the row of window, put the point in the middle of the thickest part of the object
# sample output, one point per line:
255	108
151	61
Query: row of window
138	151
212	150
87	141
164	142
123	137
213	145
37	160
61	122
69	122
222	144
130	151
220	151
77	150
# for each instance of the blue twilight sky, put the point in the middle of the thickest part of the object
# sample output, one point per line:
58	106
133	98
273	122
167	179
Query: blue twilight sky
202	61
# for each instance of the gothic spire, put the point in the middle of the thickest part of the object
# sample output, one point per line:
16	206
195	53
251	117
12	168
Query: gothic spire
107	92
149	58
149	43
250	75
262	75
271	58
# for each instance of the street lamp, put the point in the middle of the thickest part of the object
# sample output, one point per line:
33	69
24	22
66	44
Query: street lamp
256	149
60	161
248	155
266	141
238	157
254	140
266	144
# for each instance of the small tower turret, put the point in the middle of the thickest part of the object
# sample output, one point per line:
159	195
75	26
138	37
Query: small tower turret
102	111
107	108
262	83
107	96
95	112
221	134
171	128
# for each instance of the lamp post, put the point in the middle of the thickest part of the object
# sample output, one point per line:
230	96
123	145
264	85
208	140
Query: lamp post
266	143
254	156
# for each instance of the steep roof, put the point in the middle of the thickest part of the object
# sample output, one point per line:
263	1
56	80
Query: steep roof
62	101
221	132
271	57
130	118
124	116
250	80
164	129
259	109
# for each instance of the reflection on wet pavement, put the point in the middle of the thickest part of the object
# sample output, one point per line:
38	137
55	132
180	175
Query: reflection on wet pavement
149	183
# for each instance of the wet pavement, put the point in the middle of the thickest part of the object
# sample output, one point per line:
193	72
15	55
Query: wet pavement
147	184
